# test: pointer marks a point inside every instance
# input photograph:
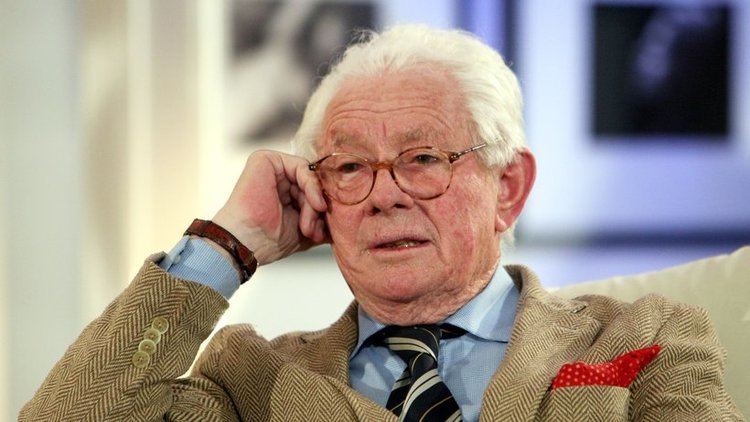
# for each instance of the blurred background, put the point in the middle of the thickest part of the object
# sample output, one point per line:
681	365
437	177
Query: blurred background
122	120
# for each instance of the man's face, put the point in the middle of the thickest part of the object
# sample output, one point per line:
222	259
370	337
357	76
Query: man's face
458	245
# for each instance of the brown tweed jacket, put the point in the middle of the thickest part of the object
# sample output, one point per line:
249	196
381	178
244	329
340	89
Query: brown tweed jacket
304	376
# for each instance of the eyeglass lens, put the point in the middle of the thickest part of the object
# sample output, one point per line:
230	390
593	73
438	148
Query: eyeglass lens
423	173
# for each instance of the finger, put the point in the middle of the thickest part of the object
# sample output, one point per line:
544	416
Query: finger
311	222
307	217
295	169
311	185
308	181
299	204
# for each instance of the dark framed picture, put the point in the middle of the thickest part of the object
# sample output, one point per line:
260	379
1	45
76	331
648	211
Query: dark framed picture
661	69
638	129
278	52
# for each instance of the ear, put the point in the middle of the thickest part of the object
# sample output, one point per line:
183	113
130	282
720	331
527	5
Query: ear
516	180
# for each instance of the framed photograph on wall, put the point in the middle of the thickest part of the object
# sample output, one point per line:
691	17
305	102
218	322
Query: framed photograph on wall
278	52
634	111
660	70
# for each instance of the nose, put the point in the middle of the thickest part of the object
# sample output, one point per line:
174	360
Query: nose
386	195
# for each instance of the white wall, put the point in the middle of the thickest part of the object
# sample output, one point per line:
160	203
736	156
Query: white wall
4	302
42	192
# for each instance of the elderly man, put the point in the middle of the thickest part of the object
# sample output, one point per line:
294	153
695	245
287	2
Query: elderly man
415	169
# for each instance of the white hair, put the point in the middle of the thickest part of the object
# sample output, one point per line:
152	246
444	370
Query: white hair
490	89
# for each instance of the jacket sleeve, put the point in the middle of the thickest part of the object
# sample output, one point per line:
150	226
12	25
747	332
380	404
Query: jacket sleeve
111	373
686	380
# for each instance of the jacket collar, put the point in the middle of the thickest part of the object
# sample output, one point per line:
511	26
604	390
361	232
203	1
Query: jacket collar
330	349
333	345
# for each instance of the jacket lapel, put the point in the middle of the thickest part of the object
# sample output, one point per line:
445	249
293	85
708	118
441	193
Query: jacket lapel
329	349
548	331
329	352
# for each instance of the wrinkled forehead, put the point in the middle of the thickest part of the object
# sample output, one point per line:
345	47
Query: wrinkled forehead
410	137
396	111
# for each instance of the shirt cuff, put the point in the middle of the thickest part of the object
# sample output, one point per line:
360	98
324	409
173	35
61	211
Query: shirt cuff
195	260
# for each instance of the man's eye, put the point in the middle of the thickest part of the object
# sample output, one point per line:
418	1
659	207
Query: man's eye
349	167
425	159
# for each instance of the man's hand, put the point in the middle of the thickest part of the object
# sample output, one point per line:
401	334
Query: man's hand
276	207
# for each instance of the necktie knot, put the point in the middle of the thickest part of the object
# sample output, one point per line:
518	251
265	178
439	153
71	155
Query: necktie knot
409	342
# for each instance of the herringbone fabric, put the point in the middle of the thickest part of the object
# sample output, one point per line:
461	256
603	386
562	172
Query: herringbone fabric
304	376
419	394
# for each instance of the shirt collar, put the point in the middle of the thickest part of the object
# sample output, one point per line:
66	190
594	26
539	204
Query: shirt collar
489	315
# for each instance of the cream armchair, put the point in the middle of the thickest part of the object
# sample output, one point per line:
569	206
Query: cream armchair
720	284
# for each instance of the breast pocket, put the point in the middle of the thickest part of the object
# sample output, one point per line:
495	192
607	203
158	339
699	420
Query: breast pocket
589	403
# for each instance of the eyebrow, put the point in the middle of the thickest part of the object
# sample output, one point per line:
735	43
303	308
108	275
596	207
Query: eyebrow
414	135
340	139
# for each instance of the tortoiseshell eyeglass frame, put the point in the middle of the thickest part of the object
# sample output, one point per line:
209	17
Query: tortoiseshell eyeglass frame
388	165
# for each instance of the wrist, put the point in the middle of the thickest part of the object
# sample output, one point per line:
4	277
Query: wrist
233	226
252	238
240	255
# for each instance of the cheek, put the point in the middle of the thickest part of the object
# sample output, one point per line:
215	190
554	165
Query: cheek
459	221
467	219
342	225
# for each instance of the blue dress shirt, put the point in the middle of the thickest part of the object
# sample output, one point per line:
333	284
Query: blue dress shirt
465	363
195	260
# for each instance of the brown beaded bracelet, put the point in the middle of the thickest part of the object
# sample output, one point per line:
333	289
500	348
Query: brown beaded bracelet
242	255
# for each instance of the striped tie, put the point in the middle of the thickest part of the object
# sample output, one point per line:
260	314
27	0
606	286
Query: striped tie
419	394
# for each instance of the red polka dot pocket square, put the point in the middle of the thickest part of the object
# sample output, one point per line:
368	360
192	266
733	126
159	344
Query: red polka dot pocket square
619	372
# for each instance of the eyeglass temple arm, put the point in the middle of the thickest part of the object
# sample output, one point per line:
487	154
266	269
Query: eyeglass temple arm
456	155
314	166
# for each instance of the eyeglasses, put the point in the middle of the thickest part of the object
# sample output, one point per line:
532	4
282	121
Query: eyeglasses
422	172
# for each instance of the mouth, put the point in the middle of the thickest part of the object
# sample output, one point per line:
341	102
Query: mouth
400	244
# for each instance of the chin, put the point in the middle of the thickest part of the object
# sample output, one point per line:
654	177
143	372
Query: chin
401	289
404	300
393	292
